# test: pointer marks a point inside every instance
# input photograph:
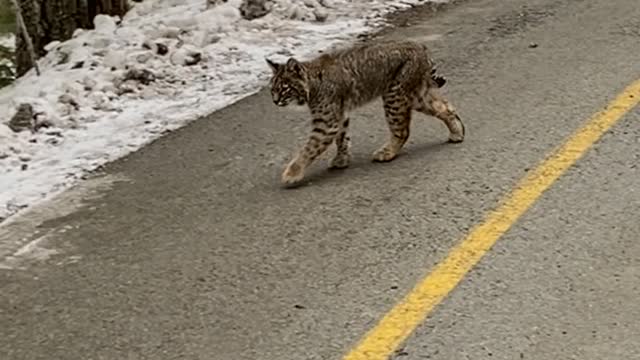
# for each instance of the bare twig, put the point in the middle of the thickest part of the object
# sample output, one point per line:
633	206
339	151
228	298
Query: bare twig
27	38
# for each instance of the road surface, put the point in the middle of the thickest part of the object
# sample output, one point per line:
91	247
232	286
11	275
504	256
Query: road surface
190	248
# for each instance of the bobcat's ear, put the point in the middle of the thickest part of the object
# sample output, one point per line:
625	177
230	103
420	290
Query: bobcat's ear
273	65
295	66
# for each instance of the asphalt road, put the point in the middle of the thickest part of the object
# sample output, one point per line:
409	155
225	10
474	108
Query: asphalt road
191	249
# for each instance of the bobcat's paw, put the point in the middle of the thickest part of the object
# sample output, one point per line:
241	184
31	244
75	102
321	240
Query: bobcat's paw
456	138
458	135
292	174
384	155
340	161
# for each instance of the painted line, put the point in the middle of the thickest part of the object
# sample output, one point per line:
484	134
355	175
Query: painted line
394	328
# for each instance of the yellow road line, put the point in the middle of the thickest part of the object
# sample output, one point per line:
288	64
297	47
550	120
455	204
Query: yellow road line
404	317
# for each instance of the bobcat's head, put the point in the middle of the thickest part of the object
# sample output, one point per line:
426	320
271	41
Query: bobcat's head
289	82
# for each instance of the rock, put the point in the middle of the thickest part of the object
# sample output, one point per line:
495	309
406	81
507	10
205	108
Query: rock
186	55
143	57
88	83
253	9
156	47
23	118
149	45
126	87
327	3
212	3
162	49
170	32
142	76
69	100
193	59
100	101
41	122
13	208
321	15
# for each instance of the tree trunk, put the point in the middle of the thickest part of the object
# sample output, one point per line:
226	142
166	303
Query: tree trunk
50	20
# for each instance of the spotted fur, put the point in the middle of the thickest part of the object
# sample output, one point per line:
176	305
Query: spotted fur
331	85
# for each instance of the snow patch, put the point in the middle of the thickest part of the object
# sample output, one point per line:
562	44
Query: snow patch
107	92
8	41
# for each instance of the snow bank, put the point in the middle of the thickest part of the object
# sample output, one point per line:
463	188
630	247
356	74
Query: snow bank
108	91
8	41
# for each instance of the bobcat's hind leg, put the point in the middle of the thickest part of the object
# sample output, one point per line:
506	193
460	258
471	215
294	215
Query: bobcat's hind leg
397	111
434	104
398	106
325	129
343	146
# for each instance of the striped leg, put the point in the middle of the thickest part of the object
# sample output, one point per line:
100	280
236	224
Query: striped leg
397	110
343	145
325	129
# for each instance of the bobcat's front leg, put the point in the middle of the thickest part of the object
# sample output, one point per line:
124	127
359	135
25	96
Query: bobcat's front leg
325	129
343	145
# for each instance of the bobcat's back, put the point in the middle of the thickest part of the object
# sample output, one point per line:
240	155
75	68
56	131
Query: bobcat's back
362	73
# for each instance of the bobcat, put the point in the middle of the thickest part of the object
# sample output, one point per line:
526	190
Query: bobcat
335	83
